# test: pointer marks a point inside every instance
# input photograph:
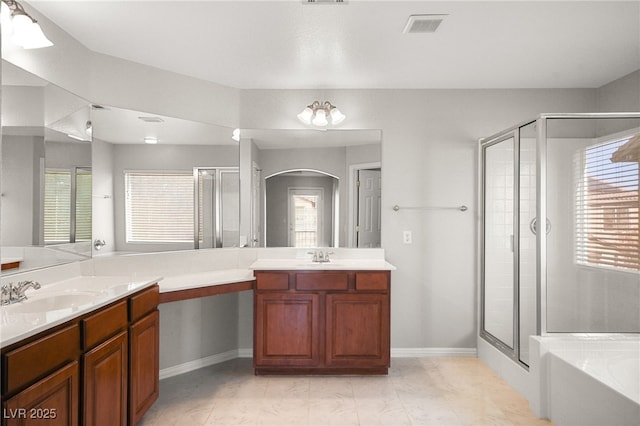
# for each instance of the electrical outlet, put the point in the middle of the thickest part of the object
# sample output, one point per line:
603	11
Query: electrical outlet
407	238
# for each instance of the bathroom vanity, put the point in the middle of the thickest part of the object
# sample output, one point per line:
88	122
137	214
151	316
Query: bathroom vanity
99	367
321	319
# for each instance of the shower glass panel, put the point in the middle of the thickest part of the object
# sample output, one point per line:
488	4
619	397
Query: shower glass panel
229	208
206	220
216	213
593	249
498	292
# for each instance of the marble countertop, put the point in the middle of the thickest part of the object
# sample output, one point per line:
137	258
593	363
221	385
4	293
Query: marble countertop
59	302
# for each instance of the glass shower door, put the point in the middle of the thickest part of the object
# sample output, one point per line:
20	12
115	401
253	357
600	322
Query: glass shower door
216	213
499	243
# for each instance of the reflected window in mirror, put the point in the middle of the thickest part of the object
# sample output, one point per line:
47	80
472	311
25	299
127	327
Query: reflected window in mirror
67	205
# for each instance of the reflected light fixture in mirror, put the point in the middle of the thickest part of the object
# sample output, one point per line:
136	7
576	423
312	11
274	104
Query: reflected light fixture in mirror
22	27
317	114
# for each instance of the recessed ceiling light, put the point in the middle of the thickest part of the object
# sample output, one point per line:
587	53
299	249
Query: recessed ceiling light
150	140
418	24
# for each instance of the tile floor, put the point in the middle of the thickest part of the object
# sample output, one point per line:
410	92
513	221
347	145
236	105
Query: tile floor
417	391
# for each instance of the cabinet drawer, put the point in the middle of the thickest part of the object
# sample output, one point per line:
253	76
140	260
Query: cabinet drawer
143	303
36	359
100	326
272	281
322	281
372	281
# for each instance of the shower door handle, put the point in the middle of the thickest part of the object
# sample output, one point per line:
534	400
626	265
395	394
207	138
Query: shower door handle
533	226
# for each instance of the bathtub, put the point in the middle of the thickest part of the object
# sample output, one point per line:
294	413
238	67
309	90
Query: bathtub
588	379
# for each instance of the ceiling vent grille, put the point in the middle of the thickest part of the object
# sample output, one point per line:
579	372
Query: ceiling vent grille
324	1
419	24
151	119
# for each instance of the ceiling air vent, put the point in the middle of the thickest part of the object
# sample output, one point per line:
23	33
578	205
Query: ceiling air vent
151	119
423	24
324	1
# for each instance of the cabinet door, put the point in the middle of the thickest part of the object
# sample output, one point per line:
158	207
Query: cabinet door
52	401
357	330
144	365
105	383
286	330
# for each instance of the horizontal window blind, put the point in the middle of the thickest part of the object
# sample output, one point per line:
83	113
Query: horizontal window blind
159	207
83	205
57	206
607	210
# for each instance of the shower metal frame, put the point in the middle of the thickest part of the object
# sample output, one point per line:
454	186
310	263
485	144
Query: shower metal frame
541	211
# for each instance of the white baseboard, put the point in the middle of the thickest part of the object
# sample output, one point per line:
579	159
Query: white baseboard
198	363
433	352
245	353
248	353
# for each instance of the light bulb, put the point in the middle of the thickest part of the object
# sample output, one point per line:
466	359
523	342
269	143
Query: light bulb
337	116
150	140
305	115
28	34
36	39
321	118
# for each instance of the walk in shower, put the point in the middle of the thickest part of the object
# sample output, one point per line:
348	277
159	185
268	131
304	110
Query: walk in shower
578	269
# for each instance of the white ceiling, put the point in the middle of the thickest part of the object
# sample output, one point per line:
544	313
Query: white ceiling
360	44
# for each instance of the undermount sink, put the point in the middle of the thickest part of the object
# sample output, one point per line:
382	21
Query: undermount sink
69	301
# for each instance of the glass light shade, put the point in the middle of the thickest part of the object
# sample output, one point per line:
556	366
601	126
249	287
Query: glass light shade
5	20
305	115
337	116
321	118
28	34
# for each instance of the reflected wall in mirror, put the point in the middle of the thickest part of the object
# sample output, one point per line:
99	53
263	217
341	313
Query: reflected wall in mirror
46	173
179	193
333	173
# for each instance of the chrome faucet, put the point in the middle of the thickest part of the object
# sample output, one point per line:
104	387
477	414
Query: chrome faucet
320	256
13	293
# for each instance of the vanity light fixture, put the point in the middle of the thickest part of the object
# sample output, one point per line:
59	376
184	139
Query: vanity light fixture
150	140
319	114
25	29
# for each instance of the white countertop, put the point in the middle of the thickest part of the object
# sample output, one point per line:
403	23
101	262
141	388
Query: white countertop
62	301
205	279
334	265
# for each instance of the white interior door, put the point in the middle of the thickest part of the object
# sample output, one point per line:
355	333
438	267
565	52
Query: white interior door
369	194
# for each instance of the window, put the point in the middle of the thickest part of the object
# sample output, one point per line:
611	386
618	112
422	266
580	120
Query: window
607	208
159	207
57	206
59	198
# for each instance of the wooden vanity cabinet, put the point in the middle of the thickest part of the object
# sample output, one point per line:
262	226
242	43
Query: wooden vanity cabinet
98	369
144	354
322	322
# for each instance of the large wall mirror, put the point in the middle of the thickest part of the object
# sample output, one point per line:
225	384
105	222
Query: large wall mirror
312	188
179	192
46	203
